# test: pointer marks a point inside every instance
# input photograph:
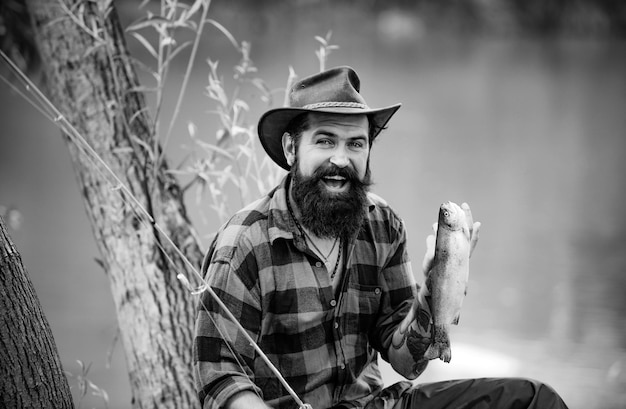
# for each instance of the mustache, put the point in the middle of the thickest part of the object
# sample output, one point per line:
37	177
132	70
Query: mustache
330	169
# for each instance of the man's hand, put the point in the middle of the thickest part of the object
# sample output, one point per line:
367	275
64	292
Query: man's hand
474	227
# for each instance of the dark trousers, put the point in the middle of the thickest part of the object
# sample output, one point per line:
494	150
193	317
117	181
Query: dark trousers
482	393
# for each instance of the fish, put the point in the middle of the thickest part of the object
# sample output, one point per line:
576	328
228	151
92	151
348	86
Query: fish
446	265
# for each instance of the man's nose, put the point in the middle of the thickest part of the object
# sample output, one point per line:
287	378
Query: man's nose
339	158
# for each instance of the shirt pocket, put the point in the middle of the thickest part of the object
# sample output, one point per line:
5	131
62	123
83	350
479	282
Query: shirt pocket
361	307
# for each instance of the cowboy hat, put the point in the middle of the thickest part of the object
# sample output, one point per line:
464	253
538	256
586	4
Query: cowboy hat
333	91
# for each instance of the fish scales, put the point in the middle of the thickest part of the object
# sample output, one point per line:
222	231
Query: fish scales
448	274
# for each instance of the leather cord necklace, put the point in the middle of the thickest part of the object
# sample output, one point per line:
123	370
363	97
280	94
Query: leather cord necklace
310	240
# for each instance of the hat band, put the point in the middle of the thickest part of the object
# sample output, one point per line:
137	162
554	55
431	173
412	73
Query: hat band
331	104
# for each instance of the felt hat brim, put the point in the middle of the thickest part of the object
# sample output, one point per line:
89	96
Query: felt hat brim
273	123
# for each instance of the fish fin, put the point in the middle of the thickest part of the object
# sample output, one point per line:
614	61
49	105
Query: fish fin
432	352
440	346
446	355
438	351
455	320
474	237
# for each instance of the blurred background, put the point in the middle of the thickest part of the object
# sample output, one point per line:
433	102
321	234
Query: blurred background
517	107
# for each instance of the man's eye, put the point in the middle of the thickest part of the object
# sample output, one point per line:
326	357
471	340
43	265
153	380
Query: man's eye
324	142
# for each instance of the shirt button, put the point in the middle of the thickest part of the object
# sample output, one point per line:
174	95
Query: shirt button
333	303
318	264
342	366
377	291
336	325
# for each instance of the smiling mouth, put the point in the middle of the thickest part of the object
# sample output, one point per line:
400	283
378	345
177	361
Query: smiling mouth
335	183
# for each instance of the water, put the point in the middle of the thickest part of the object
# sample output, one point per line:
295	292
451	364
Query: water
530	132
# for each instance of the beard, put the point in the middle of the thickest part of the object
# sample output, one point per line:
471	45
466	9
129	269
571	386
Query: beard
328	214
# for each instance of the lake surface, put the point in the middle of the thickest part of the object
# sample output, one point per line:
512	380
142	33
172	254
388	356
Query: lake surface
530	132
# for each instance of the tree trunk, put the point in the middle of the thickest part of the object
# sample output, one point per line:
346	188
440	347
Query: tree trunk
30	369
90	80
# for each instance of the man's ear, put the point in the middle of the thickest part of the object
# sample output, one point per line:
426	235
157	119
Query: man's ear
289	148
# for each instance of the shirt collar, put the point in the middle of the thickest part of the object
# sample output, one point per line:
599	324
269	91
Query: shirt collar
280	222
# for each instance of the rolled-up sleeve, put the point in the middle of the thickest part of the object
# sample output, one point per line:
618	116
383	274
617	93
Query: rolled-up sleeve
223	358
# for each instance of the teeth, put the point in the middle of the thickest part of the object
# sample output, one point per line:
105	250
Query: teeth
335	177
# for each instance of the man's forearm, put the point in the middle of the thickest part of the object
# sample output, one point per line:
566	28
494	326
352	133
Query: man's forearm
245	400
411	339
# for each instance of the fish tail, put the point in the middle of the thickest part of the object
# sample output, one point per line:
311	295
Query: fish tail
440	347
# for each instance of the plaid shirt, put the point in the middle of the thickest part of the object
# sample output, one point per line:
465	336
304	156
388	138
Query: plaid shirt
325	344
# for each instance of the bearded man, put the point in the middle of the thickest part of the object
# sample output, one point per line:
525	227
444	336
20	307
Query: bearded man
317	272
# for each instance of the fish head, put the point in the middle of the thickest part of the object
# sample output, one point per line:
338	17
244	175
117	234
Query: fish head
451	216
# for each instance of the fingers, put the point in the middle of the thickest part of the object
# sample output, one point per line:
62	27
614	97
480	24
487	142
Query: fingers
468	217
474	237
429	257
474	227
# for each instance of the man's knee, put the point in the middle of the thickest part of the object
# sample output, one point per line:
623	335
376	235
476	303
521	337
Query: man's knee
531	393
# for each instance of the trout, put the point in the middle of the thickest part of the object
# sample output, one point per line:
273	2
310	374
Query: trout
447	272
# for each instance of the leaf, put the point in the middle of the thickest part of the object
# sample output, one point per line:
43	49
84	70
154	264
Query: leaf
178	172
224	31
212	65
266	95
192	129
243	186
143	89
146	44
97	391
144	145
93	48
194	8
177	50
237	130
246	151
214	148
136	114
105	7
140	64
240	104
122	150
167	41
152	21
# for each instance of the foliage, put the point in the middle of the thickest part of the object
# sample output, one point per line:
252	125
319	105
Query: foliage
324	49
11	216
84	385
233	155
232	159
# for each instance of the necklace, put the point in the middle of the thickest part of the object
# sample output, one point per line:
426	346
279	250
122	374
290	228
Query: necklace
309	239
319	252
332	275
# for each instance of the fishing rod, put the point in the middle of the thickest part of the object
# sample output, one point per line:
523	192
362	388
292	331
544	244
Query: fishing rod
52	113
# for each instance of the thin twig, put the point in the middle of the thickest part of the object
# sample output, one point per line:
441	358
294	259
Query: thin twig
183	88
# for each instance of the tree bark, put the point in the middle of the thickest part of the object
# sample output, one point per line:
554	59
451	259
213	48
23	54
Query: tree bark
90	78
30	369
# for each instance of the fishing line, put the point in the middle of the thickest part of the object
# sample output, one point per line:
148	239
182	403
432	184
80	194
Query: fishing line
26	98
54	115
